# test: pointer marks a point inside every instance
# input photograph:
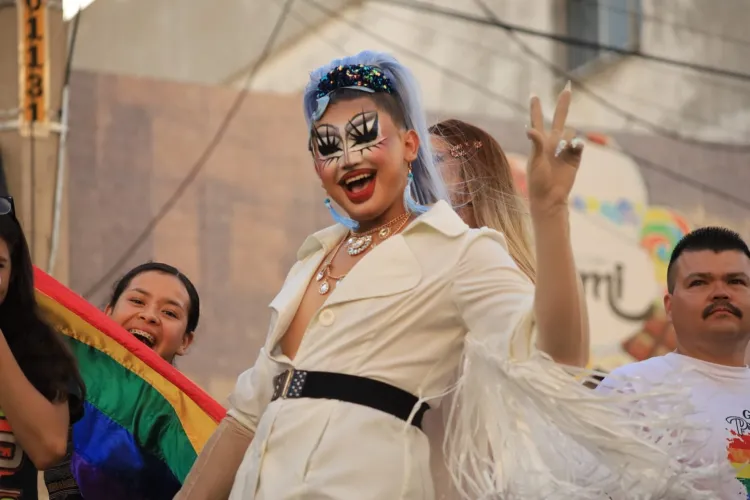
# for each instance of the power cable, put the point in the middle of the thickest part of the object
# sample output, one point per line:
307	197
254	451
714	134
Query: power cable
567	40
515	105
60	159
604	4
629	118
200	163
522	109
655	128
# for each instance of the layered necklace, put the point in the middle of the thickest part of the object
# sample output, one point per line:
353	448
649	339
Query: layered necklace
356	243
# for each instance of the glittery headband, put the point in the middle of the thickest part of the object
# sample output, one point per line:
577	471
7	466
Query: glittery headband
364	77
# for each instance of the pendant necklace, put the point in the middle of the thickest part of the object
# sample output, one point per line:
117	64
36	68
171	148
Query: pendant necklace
355	245
358	243
325	273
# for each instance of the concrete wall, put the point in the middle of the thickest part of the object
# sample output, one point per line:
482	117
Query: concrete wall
462	67
468	68
236	230
183	40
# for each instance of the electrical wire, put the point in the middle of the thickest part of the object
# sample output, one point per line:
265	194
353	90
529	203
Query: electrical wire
521	109
63	117
200	163
32	165
567	40
653	127
682	115
513	105
603	4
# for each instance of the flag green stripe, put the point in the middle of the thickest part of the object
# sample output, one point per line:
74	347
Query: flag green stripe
135	405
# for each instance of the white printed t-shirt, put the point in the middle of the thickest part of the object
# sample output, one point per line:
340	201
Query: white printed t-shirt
721	395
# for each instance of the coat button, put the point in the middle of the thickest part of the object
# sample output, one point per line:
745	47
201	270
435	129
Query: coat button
326	317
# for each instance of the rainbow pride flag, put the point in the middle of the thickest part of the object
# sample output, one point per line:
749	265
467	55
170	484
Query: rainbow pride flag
144	422
738	452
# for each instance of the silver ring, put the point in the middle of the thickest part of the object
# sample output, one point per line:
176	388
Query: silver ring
560	147
576	143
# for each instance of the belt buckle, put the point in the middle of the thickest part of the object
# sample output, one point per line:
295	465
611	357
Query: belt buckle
289	384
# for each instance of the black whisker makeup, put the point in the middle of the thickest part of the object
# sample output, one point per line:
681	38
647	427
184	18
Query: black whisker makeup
362	134
363	131
328	144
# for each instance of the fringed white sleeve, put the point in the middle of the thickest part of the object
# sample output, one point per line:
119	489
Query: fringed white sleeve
531	429
521	427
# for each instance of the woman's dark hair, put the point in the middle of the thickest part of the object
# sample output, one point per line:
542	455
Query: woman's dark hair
39	350
195	304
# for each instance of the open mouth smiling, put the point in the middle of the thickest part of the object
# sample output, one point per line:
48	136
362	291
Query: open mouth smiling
144	337
356	182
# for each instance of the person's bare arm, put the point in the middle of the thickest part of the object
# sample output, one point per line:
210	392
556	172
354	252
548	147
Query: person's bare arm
558	301
212	475
40	426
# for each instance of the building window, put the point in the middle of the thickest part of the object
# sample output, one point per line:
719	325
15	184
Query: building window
614	23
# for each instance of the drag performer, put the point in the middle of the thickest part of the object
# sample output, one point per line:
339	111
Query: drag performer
383	308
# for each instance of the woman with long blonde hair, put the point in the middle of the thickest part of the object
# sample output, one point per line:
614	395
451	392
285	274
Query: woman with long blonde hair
483	193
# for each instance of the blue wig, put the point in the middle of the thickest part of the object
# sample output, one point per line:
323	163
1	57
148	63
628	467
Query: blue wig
425	185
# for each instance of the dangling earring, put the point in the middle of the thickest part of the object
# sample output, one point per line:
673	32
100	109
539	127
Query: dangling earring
410	204
350	224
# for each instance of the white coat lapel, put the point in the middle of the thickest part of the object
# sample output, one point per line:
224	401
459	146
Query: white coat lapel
286	303
388	269
310	255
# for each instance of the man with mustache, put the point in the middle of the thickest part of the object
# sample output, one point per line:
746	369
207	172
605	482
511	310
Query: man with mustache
708	302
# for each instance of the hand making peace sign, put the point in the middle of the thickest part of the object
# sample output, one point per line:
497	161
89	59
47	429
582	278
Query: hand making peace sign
555	156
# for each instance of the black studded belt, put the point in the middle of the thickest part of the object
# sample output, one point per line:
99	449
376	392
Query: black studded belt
363	391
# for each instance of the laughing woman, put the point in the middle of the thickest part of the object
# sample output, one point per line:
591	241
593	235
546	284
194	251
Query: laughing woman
160	306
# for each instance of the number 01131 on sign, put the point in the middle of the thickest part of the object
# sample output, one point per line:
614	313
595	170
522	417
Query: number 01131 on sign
34	64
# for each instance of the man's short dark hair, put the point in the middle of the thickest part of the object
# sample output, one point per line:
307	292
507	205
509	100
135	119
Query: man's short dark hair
716	239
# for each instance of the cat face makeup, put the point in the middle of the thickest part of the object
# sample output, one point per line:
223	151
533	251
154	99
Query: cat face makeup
362	157
335	144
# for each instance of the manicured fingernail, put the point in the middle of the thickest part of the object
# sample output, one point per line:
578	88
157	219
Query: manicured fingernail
568	86
532	96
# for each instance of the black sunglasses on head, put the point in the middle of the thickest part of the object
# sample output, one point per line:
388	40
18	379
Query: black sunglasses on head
6	206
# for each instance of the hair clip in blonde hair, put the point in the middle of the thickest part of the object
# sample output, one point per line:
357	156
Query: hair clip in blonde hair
462	150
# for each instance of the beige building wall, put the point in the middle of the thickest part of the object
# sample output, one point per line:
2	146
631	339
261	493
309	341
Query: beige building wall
236	230
463	67
197	41
137	137
469	68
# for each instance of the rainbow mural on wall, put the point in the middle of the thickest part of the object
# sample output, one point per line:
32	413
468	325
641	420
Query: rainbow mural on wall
661	229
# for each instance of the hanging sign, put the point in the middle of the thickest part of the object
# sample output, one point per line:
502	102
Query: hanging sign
34	82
